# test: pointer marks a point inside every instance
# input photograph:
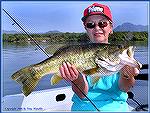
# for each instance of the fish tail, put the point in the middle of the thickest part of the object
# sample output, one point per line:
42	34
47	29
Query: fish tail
27	78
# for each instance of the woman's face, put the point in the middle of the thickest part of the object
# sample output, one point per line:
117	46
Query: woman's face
98	28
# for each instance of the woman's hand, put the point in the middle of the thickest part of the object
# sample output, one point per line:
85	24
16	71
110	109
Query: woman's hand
68	71
129	72
127	77
78	80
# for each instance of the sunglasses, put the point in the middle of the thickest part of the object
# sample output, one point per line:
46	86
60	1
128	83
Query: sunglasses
92	25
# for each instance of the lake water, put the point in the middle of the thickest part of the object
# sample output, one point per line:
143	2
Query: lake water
16	56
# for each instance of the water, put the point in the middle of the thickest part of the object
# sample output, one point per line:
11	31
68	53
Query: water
18	55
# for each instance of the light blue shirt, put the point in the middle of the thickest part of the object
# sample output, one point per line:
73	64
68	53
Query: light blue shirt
105	94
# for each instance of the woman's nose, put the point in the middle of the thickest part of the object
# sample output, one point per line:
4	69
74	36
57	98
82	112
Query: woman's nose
97	27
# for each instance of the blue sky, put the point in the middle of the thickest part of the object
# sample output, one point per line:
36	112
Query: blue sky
65	16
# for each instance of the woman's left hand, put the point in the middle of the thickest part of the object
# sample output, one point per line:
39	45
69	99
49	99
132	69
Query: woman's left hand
128	71
127	77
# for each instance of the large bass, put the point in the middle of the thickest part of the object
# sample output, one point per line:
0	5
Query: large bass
104	59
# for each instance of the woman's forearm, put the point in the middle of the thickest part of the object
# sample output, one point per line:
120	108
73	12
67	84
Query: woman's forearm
80	86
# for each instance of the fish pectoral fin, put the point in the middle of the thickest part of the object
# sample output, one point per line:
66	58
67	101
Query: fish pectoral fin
55	79
90	71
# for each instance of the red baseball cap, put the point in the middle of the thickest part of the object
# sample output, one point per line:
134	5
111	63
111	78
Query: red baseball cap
97	9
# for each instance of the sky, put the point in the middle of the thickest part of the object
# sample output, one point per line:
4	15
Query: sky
65	16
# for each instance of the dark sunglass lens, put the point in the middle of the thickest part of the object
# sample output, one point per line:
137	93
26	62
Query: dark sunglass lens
90	25
102	24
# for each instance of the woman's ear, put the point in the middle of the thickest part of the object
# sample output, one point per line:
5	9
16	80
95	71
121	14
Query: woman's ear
84	26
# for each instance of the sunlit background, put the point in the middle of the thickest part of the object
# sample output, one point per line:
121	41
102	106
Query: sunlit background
65	16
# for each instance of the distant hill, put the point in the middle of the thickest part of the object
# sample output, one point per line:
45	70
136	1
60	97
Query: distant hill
54	31
124	27
131	27
15	32
10	32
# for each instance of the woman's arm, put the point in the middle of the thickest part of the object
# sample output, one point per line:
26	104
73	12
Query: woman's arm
70	73
79	85
127	80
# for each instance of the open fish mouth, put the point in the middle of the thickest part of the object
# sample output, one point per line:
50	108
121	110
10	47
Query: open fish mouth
125	57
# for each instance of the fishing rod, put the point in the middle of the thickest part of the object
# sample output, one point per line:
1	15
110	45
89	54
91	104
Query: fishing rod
38	45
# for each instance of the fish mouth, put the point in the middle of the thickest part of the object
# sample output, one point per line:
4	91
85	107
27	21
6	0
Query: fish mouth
127	58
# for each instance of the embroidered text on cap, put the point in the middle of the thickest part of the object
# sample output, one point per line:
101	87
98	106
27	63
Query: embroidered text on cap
95	9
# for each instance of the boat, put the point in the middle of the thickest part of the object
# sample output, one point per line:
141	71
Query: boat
44	100
59	99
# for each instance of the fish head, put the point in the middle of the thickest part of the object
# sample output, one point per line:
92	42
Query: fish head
114	57
127	57
109	54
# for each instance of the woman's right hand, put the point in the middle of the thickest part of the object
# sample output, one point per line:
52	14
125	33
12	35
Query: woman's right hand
68	71
79	83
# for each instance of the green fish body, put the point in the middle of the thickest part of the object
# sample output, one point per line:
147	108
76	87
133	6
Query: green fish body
90	59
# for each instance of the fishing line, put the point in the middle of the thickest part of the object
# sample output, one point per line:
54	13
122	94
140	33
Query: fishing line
83	92
86	96
38	45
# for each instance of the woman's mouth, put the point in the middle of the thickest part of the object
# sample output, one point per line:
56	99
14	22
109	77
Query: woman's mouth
98	34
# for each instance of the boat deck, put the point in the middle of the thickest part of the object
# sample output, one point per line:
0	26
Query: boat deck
59	99
39	101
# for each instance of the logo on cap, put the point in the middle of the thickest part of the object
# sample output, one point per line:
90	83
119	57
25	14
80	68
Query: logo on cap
95	9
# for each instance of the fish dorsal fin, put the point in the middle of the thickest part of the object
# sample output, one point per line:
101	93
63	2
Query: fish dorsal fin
51	49
55	79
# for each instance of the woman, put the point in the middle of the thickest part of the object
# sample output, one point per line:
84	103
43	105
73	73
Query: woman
109	92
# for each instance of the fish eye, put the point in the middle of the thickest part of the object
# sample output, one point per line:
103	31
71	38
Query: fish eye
120	46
